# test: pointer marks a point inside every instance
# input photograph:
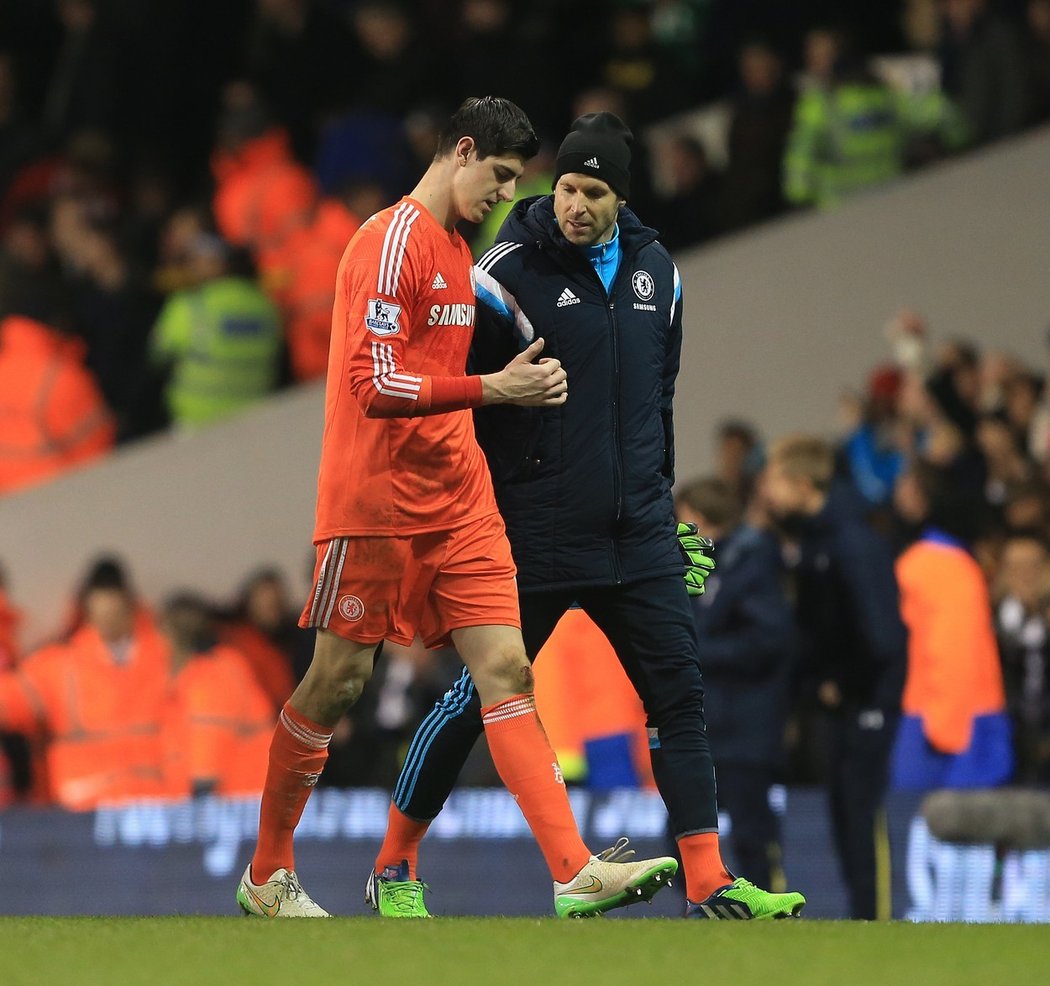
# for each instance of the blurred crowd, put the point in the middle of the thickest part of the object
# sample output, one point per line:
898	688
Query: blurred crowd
178	179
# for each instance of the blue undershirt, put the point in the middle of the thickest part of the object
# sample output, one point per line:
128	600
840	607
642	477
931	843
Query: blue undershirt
605	258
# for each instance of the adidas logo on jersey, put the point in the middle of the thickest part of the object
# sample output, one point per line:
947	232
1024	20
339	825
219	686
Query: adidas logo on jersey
591	162
438	283
567	298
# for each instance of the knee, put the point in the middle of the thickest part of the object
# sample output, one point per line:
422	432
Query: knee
505	673
341	681
679	706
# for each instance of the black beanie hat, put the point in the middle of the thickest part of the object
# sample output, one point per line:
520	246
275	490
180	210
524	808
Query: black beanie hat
599	145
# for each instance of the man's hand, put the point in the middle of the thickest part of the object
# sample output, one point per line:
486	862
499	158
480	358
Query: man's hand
696	554
525	383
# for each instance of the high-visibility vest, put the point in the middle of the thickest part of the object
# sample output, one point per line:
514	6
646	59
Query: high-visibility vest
853	135
223	340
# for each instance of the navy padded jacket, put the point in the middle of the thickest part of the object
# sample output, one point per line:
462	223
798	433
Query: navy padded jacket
585	488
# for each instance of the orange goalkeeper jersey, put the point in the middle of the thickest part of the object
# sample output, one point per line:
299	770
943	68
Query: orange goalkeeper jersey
399	454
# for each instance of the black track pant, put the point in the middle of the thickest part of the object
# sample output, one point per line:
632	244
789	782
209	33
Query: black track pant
650	626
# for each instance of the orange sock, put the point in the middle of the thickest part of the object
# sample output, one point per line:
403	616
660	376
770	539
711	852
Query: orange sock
403	835
298	752
702	861
527	764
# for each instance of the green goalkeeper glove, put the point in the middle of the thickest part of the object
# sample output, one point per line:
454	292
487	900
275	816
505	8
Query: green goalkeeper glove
696	554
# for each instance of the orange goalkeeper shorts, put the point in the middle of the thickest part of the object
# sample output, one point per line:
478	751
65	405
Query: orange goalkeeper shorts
369	589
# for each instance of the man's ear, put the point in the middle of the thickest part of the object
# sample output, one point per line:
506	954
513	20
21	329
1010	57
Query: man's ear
464	148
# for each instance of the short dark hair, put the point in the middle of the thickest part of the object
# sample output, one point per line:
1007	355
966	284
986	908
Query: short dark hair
741	430
106	572
497	126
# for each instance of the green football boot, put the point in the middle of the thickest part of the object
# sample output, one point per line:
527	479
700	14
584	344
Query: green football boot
741	900
394	895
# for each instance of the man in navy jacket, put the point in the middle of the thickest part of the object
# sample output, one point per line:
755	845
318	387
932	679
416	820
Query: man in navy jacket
586	496
854	648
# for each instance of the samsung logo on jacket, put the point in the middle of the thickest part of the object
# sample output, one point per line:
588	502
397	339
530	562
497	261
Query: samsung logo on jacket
451	315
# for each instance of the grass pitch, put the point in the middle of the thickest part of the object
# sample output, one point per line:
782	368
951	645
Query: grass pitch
507	951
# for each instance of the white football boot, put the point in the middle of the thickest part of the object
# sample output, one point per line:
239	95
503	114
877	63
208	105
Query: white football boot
612	879
282	896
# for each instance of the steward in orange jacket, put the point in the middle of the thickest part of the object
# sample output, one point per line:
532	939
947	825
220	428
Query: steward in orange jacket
302	282
270	666
262	193
590	710
52	415
954	732
96	703
218	722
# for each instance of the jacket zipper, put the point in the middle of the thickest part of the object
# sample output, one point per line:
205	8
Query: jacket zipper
617	444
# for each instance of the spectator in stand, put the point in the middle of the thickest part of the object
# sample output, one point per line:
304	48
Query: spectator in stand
633	65
95	701
821	53
747	646
954	732
221	339
262	194
82	92
1037	60
217	721
17	138
681	32
502	45
265	630
873	450
26	252
52	412
1022	393
1005	461
983	68
853	648
739	457
392	65
759	123
690	214
296	53
113	313
1021	614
